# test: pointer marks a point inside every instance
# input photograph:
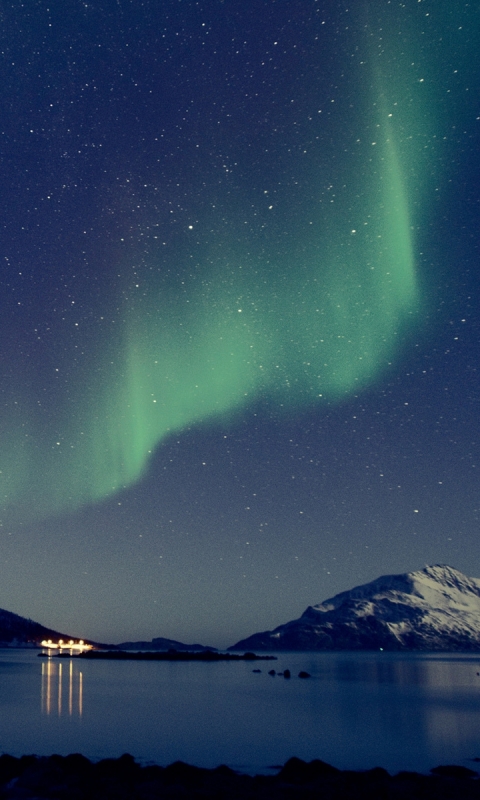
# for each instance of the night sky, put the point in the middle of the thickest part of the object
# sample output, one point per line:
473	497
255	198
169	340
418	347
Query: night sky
239	307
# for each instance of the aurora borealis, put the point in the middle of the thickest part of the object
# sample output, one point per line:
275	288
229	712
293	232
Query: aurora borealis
238	257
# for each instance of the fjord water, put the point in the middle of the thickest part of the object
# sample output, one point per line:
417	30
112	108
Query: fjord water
357	711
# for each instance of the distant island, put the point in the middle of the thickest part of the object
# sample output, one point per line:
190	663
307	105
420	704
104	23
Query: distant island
433	609
170	655
162	644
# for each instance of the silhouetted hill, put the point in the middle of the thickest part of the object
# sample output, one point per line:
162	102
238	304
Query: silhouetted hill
162	644
16	631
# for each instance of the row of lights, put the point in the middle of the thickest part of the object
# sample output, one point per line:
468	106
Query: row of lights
80	645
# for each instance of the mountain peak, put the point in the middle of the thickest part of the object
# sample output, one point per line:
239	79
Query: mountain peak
434	608
442	573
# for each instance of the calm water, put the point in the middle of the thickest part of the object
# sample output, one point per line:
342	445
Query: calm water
357	711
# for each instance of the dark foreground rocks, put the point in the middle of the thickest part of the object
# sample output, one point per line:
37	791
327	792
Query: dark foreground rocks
74	777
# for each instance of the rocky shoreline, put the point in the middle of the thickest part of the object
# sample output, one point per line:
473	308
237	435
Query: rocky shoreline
74	777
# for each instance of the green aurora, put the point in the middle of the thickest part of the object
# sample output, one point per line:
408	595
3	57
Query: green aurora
299	331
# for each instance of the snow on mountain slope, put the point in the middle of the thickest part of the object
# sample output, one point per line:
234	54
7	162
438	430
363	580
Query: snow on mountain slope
436	608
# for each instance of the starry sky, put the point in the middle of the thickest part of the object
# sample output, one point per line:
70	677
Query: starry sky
239	307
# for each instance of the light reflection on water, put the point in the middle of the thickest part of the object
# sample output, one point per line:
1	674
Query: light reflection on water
357	711
53	683
432	671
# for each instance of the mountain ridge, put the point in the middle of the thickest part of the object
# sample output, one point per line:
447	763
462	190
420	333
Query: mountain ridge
17	631
436	608
161	644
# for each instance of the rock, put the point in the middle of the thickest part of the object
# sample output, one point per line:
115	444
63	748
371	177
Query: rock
298	771
76	778
454	771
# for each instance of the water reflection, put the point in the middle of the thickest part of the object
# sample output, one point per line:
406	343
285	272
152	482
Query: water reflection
399	711
435	673
62	688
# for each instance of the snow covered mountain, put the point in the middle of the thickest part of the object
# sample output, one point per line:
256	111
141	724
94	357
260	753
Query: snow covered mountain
436	608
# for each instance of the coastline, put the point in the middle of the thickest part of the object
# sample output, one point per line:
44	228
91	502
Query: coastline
230	715
75	776
169	655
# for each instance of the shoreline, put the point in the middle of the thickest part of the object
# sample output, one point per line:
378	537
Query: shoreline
75	776
162	655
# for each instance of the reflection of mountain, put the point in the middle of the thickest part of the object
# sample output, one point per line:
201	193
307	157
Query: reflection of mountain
437	670
16	631
436	608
